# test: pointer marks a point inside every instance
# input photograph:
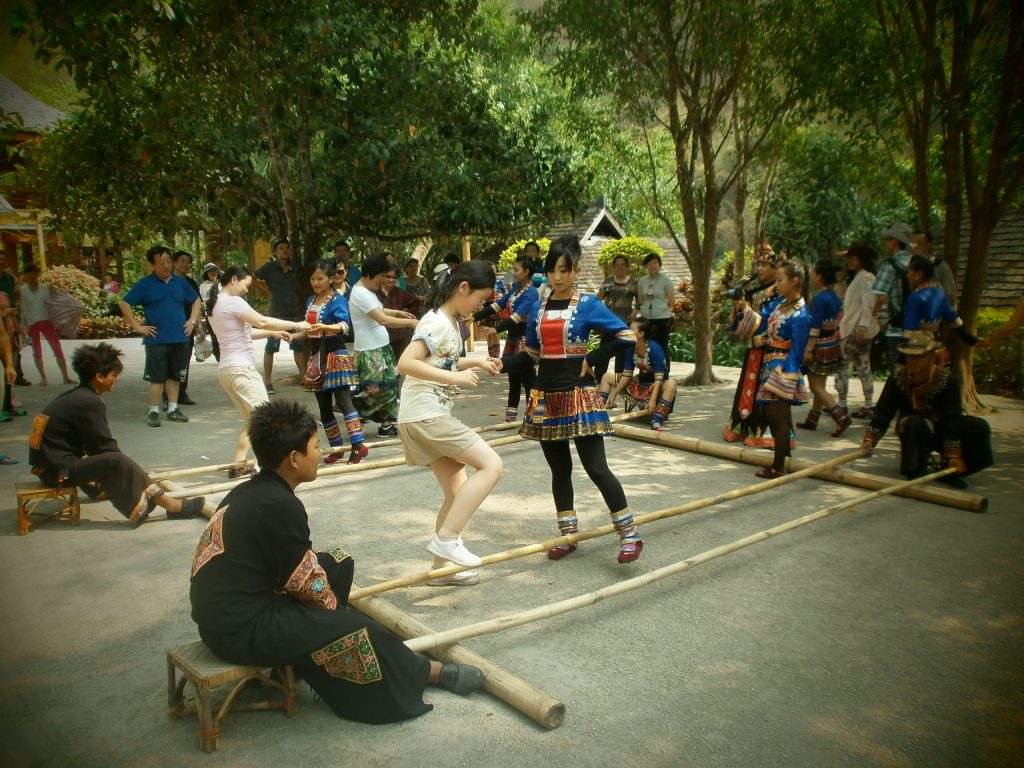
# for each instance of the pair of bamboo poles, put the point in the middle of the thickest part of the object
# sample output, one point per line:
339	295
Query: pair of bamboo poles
521	695
438	639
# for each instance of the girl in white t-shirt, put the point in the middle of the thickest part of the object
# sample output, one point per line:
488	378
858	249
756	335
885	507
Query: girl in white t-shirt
236	324
431	436
377	396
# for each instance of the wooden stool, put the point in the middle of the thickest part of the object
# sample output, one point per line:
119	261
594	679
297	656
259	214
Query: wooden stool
32	492
206	672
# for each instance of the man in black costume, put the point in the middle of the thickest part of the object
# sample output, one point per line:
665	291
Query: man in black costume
71	444
262	596
923	395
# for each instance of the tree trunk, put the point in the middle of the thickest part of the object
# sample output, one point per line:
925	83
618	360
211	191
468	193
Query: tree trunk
739	259
701	268
982	224
269	132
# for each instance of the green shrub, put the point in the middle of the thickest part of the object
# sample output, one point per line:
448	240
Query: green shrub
999	371
633	248
507	259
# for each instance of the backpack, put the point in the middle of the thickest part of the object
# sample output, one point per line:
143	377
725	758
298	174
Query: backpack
896	317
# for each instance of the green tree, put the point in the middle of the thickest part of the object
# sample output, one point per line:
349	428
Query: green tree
377	119
676	67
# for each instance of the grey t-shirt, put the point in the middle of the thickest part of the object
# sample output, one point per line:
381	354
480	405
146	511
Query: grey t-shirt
284	302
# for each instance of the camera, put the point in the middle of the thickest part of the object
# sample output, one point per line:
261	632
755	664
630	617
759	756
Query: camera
736	292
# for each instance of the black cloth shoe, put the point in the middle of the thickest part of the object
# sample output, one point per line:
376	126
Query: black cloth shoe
954	481
460	679
389	431
189	508
185	400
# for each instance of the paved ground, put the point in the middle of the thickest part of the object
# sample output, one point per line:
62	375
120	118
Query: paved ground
891	636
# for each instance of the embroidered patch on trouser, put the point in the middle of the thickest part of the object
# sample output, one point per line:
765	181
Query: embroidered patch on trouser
350	658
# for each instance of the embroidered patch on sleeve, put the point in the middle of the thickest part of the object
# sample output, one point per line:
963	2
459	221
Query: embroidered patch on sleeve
308	583
35	440
338	554
350	658
211	543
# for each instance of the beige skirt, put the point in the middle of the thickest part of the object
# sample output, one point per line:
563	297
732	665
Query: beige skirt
424	442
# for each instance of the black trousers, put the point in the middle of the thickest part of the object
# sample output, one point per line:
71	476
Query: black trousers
126	484
919	437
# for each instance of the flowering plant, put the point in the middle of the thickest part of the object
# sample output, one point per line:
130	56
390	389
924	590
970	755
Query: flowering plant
79	284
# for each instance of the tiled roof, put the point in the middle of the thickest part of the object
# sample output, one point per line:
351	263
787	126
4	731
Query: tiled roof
35	115
1004	279
595	225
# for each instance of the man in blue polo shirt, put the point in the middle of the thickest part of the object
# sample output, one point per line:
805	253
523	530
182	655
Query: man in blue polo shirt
164	296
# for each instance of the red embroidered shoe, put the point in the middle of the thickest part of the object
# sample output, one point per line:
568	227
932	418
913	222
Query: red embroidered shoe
769	473
629	551
842	424
358	454
557	553
331	458
731	437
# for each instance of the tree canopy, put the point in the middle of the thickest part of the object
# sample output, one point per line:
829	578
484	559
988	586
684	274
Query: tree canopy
385	119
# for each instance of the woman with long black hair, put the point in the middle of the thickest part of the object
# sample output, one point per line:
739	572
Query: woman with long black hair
564	404
330	372
236	324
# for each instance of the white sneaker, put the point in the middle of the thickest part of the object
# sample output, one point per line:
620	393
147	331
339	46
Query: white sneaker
453	550
460	579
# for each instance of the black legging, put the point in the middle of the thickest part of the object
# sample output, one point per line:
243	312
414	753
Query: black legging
591	452
342	396
779	415
517	381
661	329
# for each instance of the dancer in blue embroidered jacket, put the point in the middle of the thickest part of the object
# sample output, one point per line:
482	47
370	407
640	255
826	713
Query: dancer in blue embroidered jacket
652	389
261	595
564	404
515	308
823	356
331	372
785	327
928	306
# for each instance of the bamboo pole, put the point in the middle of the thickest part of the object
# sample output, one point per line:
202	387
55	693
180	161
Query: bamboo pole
437	640
173	474
367	466
192	471
345	469
500	683
649	517
947	497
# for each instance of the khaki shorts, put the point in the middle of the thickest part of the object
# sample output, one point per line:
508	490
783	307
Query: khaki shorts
244	386
424	442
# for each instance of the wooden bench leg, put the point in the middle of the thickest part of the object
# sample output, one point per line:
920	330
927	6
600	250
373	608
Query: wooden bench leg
76	509
23	512
291	697
209	732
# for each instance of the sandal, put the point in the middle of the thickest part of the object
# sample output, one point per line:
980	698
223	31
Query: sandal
5	459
